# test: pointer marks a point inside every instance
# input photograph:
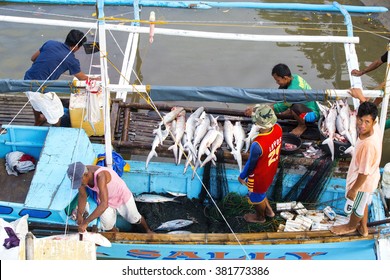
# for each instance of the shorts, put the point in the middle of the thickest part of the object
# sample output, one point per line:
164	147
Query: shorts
128	211
362	199
309	117
281	107
256	198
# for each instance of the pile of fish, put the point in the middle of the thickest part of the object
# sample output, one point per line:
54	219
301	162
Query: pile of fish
200	135
338	124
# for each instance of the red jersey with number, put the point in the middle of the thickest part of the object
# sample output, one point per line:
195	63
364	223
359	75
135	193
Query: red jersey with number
267	164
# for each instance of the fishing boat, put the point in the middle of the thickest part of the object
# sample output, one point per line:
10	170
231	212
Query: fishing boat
46	196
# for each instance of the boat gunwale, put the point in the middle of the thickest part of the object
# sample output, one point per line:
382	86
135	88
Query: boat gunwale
263	238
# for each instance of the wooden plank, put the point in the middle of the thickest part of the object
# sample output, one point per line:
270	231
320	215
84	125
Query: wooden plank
304	237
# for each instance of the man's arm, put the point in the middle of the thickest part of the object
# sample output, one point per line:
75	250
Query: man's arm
102	179
82	201
35	55
375	64
358	93
81	76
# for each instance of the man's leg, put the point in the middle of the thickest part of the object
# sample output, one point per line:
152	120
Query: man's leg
288	114
359	215
301	128
268	210
298	109
347	228
362	228
130	212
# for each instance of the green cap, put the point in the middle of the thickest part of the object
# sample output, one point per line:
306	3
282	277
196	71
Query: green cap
264	116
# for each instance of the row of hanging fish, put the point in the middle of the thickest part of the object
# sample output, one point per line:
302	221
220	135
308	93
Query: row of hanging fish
200	135
339	124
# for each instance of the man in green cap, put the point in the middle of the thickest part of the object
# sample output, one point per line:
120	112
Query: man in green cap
262	164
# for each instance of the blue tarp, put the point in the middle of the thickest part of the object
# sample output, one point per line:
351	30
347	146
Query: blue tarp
234	95
7	85
185	93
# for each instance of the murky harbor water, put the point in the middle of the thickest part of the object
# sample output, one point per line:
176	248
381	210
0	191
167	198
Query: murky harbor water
199	62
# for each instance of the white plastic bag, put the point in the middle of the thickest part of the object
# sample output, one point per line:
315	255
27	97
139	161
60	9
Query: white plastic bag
49	104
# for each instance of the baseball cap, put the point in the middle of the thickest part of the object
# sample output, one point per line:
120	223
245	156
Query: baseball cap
76	172
264	116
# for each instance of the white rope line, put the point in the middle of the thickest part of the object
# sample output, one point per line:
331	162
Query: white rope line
372	32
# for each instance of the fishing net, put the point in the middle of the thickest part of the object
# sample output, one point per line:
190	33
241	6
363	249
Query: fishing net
275	192
234	207
310	186
214	180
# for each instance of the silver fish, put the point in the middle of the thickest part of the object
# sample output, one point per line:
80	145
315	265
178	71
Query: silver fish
173	148
203	124
156	142
352	127
153	198
228	134
190	128
169	117
207	141
179	132
239	136
251	135
214	146
330	126
344	119
177	194
180	232
174	224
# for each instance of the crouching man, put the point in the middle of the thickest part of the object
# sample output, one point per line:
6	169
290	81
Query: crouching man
113	196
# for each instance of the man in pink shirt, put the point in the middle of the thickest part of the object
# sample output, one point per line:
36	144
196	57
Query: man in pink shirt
363	174
113	196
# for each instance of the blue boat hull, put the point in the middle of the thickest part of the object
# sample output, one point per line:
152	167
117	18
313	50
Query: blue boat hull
351	250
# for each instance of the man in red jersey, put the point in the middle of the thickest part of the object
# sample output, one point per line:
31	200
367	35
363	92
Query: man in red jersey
262	164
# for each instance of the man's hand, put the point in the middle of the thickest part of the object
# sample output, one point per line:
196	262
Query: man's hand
351	194
242	182
357	93
83	227
356	73
248	111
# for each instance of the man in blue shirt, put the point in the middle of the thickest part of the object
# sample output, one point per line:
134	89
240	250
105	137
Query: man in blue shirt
55	58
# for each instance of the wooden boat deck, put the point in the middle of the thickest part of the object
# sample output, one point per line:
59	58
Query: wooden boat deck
14	188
